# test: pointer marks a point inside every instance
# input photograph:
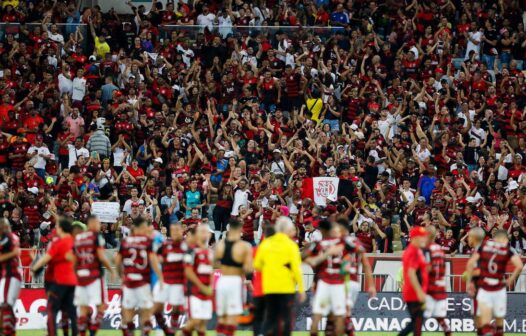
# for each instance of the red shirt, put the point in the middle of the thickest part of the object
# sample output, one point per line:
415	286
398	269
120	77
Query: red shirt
413	258
63	271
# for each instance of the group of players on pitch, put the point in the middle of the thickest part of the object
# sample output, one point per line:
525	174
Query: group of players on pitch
184	266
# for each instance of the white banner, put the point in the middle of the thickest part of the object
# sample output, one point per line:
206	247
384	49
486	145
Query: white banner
107	212
325	188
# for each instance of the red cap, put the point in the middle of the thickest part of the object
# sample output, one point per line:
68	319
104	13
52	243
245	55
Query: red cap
418	231
135	204
355	179
439	70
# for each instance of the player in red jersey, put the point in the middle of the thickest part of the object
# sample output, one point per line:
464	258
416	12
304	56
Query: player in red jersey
475	238
436	298
91	290
199	272
326	256
351	263
171	255
493	257
11	277
235	257
134	261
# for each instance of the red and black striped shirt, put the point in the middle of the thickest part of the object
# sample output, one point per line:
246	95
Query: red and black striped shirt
172	253
10	268
493	258
200	260
436	260
88	266
135	251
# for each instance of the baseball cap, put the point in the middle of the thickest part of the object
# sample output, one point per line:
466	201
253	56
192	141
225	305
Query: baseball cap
418	231
421	198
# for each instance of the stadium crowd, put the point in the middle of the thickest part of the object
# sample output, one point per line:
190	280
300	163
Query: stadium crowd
420	105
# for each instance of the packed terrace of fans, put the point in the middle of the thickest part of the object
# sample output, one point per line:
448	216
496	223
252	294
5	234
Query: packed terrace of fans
201	110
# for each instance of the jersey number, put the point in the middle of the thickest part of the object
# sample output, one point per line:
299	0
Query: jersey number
132	260
492	265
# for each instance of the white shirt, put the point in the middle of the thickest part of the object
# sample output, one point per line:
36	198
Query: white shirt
75	153
422	154
476	36
65	84
79	88
187	55
225	25
478	134
206	20
56	37
42	150
240	198
409	195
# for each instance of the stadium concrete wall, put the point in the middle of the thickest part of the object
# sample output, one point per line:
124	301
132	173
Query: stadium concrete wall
386	312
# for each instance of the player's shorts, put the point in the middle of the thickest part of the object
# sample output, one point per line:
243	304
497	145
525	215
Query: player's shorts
352	288
171	294
199	309
93	294
329	299
435	308
496	300
9	290
229	295
139	297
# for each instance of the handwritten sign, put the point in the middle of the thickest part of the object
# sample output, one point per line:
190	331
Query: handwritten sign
107	212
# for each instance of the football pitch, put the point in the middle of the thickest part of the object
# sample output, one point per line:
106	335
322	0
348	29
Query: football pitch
240	333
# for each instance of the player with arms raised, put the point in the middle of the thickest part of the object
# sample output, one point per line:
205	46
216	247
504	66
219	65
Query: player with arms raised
235	257
91	290
493	257
11	277
171	253
134	261
436	298
199	271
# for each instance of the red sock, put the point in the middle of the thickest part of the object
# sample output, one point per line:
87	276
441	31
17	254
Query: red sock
201	333
146	328
127	329
8	320
230	330
174	319
445	326
187	332
82	324
312	333
487	330
349	326
499	331
95	324
220	329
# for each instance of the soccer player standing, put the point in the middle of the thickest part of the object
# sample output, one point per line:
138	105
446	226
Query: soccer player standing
91	290
436	299
235	257
171	253
351	263
493	257
415	280
326	256
134	261
199	271
62	290
11	277
475	238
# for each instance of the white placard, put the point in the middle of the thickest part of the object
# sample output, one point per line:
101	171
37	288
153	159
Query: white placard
107	212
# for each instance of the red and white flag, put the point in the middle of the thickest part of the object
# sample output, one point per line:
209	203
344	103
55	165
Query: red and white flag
321	189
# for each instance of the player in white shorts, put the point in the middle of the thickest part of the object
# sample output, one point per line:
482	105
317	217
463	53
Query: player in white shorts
134	261
11	276
235	257
171	253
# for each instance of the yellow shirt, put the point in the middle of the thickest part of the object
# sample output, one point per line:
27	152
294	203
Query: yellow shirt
279	261
13	3
101	48
314	105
